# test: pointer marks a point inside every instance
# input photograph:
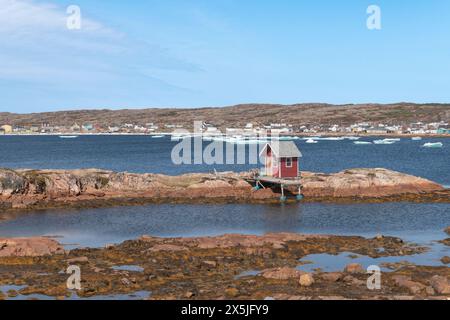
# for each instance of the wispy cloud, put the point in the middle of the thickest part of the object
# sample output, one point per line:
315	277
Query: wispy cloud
36	45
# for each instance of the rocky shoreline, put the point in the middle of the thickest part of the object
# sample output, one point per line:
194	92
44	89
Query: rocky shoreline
232	266
40	189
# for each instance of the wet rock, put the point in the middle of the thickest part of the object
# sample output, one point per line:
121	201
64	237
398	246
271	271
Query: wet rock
175	273
430	291
353	281
406	282
232	292
445	260
12	293
332	276
354	268
306	280
167	247
283	273
78	260
332	298
285	297
210	264
447	230
440	284
400	297
125	282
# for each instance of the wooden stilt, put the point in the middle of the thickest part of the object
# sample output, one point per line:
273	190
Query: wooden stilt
283	198
299	195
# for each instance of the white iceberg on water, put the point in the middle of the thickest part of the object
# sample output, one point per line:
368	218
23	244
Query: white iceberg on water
433	145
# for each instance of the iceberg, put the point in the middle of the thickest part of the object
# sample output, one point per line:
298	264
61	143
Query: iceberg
385	141
433	145
353	138
332	138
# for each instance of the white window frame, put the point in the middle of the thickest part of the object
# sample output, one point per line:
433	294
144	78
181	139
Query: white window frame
290	162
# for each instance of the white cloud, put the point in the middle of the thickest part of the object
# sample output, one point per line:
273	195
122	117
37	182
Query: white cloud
36	45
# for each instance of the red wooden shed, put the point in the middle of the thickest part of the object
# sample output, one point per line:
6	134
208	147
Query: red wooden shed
281	159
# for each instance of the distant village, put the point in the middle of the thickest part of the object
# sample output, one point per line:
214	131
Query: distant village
364	128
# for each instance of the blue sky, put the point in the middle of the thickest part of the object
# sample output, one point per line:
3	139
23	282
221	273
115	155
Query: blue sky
186	53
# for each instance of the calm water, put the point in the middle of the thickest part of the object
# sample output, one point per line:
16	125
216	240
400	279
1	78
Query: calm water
144	154
96	227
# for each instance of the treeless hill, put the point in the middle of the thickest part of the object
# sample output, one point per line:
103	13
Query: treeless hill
297	114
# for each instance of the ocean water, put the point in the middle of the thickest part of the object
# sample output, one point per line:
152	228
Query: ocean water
418	222
145	154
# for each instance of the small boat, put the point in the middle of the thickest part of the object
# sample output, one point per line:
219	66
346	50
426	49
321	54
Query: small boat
433	145
68	137
416	138
362	142
157	136
392	139
311	141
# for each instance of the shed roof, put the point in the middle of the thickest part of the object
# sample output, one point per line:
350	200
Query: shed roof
283	149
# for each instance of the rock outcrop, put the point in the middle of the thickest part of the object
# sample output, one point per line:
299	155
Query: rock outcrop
29	247
22	189
375	182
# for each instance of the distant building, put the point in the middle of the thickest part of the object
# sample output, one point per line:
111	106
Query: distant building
88	127
7	128
75	127
443	131
113	129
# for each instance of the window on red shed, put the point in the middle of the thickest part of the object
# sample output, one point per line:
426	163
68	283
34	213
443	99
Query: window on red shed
288	162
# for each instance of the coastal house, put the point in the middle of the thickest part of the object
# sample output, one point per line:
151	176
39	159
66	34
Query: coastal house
281	159
7	128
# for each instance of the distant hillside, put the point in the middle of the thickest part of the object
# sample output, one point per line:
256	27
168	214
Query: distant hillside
297	114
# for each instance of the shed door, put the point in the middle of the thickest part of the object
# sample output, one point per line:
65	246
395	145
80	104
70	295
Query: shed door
269	165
